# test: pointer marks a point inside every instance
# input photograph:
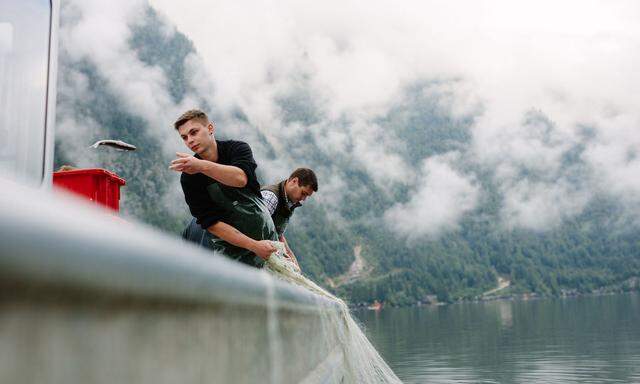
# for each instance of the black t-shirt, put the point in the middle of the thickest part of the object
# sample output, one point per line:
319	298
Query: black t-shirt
205	210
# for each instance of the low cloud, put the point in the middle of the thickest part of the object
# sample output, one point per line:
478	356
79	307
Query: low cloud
442	198
541	206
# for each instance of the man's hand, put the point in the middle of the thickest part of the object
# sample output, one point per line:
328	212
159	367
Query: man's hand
263	248
289	253
186	163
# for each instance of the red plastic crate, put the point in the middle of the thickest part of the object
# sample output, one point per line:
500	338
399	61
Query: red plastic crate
97	185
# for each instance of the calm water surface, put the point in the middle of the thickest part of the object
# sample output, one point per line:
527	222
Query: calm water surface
576	340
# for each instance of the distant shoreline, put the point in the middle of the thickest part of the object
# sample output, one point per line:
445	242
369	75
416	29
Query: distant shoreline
605	291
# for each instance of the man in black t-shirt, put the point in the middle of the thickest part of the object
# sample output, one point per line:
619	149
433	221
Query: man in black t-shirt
222	191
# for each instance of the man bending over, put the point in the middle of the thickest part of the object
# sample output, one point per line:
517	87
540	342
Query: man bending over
283	198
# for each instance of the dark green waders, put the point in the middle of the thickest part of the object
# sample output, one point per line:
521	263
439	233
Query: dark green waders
246	212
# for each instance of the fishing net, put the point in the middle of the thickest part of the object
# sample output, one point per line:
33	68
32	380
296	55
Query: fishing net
362	363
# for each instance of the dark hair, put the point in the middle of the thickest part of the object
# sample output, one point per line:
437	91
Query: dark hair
306	177
192	114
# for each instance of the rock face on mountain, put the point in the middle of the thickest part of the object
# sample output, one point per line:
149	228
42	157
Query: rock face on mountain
428	220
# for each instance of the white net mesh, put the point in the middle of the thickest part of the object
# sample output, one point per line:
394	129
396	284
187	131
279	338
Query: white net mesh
362	363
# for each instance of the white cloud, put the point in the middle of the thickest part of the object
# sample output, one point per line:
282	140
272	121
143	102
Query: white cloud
615	156
442	198
541	206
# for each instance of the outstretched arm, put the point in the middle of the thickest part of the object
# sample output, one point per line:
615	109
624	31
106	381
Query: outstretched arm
226	174
262	248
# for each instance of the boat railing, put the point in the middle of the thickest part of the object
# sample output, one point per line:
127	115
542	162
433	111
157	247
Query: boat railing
90	297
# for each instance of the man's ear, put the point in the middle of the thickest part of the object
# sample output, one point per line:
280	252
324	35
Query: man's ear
295	180
211	128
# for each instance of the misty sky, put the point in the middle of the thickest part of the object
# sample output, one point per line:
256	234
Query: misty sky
540	79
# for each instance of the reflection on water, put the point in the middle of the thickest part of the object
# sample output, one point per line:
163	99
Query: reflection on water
577	340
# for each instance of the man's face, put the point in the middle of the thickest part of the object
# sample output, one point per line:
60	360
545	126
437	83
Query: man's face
196	136
297	193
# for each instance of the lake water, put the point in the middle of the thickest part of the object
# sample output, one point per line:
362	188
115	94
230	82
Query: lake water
573	340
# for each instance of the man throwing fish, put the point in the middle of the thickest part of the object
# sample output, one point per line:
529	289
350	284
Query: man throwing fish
222	192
